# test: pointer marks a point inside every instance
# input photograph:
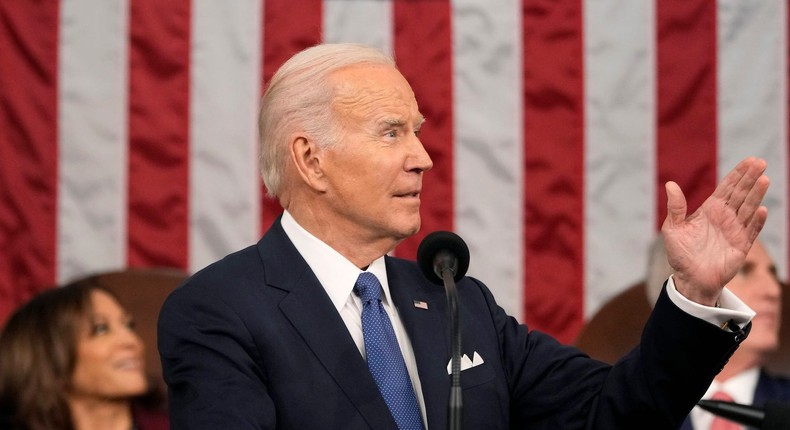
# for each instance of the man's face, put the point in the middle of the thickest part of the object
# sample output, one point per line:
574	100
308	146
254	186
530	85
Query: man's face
374	174
757	286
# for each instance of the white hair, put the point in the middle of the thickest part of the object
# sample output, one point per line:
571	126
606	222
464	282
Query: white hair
299	97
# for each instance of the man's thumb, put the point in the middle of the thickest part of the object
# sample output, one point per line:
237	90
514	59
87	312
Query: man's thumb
676	203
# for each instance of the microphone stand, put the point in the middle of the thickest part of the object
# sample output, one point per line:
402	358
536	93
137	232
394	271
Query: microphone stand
443	258
455	405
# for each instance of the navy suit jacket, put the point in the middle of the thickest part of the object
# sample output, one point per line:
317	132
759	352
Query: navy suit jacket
769	389
253	342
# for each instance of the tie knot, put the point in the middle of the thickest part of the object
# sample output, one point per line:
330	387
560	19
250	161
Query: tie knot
367	287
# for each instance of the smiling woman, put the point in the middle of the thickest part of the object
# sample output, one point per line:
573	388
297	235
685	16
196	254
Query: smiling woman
71	359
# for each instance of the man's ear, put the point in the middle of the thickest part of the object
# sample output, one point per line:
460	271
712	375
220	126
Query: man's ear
307	158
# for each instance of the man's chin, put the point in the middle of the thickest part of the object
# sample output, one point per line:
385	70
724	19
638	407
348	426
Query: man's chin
409	227
413	230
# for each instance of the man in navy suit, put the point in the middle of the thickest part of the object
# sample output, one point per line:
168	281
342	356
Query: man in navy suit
743	379
270	337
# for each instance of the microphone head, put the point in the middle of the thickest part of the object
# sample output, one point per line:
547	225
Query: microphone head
437	243
742	414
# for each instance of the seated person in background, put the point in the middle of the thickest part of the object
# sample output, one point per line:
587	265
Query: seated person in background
616	328
70	359
743	379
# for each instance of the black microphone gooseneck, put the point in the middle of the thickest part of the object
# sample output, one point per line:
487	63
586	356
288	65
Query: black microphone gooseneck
741	414
775	415
444	257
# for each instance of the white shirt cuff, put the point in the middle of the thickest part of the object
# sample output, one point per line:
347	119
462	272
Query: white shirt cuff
730	307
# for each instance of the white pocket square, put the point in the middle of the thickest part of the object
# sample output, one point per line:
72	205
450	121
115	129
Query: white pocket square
466	363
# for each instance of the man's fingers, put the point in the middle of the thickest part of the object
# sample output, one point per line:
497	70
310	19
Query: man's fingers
757	222
745	185
676	203
725	188
751	204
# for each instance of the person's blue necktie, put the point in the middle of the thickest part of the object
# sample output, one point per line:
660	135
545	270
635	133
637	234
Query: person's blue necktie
385	360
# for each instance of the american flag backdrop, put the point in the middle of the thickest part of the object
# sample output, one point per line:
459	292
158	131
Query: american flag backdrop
128	130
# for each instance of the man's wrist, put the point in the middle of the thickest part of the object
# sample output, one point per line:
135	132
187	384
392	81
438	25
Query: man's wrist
730	307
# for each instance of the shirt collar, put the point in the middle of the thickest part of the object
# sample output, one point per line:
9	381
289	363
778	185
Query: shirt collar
334	271
740	387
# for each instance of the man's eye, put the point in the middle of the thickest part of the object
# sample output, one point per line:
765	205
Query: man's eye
391	133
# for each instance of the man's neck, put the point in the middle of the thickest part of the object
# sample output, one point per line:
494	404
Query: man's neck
740	361
341	235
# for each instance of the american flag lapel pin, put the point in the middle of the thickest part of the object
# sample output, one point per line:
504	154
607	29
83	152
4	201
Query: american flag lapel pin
420	304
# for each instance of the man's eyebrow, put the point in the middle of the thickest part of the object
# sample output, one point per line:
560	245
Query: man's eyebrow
392	122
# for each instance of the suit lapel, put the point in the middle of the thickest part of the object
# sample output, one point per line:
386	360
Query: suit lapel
762	392
309	309
428	332
769	389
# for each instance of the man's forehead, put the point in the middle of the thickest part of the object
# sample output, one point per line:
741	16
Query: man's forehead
377	92
757	250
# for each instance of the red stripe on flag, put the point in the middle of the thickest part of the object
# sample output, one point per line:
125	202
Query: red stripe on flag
282	38
686	129
159	133
554	167
424	56
28	149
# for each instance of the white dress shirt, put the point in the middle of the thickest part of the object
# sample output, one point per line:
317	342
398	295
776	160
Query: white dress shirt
338	275
740	387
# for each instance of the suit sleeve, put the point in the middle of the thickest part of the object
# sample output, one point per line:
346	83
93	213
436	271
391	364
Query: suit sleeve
653	387
208	360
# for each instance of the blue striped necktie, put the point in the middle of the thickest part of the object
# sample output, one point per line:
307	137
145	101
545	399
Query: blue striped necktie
385	360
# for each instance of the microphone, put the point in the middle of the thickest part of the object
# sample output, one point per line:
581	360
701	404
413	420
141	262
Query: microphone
736	412
443	258
774	416
443	250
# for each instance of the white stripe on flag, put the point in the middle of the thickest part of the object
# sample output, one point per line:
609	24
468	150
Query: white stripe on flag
752	97
225	89
620	208
92	117
489	171
359	21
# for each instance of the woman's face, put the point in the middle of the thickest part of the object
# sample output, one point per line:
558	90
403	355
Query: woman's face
110	355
